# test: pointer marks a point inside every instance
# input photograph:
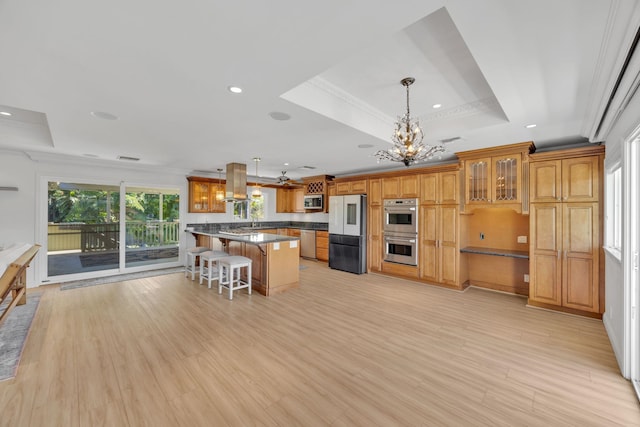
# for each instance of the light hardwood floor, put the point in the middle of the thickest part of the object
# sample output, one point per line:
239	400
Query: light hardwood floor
342	350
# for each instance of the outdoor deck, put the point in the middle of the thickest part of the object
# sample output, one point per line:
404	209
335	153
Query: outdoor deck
80	248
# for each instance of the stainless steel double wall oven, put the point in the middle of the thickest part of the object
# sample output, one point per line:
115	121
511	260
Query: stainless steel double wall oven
401	231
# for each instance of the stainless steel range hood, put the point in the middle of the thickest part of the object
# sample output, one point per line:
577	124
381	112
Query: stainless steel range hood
236	189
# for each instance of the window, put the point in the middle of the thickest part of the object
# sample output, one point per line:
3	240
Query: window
614	212
240	211
256	208
252	209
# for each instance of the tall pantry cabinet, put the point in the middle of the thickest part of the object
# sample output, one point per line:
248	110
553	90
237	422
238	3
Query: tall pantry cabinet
566	230
439	223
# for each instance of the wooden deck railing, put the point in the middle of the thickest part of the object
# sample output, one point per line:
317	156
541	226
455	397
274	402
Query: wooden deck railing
103	237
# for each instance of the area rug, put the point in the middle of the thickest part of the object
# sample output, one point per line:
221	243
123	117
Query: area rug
119	278
13	334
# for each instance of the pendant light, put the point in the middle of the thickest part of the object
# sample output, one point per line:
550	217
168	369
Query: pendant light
219	191
256	193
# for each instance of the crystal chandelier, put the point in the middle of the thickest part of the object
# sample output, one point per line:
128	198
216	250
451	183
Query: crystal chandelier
407	139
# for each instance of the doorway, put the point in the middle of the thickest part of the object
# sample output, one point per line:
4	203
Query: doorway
85	236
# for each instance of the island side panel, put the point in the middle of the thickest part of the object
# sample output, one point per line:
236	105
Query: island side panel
258	256
283	266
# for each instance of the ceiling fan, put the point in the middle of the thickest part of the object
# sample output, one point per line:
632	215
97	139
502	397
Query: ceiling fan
286	181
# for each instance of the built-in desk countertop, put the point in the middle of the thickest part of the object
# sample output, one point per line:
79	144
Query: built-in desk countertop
495	252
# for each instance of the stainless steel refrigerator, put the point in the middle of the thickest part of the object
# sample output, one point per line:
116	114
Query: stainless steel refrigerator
347	233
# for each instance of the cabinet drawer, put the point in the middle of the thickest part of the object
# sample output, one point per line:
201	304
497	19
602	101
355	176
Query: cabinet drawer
322	254
294	232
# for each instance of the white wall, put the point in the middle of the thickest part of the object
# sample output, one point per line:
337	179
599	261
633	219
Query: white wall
613	317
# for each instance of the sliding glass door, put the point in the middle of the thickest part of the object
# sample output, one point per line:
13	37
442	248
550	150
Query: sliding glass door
152	226
82	228
84	233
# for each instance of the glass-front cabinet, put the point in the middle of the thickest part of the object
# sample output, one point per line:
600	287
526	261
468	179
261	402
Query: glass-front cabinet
206	195
506	172
478	174
493	180
496	176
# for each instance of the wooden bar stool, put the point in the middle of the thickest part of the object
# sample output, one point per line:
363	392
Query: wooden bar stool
230	272
192	255
209	265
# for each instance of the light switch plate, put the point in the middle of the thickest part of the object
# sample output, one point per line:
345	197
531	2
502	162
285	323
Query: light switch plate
522	239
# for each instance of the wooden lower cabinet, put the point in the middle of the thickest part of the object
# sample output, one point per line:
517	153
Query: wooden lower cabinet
439	252
294	232
274	266
564	256
322	245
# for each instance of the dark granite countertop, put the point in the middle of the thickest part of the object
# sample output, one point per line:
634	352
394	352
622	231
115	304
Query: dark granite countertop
254	238
495	252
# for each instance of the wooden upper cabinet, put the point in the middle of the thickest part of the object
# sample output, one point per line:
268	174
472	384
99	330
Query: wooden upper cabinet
282	200
400	187
351	187
198	196
567	180
289	200
580	179
494	177
375	192
439	188
494	180
298	200
545	180
331	190
202	196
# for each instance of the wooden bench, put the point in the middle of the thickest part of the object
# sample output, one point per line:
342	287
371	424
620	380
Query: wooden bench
13	267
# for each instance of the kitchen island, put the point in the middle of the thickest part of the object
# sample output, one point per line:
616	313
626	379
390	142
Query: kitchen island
275	258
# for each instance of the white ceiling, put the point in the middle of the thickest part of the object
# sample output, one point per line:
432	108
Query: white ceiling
163	68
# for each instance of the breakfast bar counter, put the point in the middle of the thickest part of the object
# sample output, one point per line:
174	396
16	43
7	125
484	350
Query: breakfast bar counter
275	258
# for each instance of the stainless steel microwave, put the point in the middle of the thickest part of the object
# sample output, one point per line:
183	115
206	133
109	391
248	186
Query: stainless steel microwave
313	201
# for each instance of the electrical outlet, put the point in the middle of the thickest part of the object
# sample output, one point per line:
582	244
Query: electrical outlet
522	239
481	236
526	278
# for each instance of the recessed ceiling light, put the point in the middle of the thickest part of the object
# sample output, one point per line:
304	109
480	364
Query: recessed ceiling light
531	126
5	113
104	116
365	145
437	105
286	163
90	155
278	115
235	89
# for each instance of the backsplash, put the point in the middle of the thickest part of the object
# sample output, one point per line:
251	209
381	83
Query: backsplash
215	227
